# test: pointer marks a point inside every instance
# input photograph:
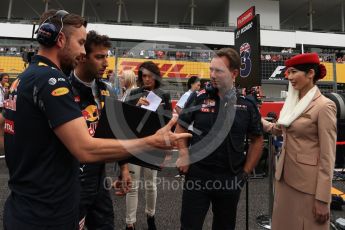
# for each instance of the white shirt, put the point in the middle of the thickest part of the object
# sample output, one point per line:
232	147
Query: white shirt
93	87
181	103
2	96
184	99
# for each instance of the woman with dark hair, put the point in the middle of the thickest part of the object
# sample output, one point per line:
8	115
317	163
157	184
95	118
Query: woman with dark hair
149	79
193	86
305	167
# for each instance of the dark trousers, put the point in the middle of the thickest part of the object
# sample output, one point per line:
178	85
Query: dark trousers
96	206
12	223
203	188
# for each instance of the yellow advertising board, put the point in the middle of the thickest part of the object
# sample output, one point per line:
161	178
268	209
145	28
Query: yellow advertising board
168	68
329	68
340	72
11	65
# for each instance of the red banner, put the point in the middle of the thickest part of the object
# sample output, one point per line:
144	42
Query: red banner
245	17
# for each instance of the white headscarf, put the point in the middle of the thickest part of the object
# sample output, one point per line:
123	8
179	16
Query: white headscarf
293	107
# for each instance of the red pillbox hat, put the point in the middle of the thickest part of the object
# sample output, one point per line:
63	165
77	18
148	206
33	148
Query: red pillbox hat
307	58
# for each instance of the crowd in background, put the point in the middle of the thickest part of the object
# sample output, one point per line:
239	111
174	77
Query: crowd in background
269	54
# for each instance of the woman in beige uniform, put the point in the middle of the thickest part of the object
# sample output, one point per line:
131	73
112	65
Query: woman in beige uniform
305	167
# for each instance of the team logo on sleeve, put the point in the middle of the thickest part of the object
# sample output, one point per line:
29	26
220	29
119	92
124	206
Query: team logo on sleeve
105	93
9	127
77	99
201	92
52	81
60	91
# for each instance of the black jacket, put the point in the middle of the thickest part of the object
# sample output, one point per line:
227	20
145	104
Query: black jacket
165	106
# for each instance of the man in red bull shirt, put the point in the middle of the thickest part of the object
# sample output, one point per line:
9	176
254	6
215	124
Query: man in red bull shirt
95	208
46	134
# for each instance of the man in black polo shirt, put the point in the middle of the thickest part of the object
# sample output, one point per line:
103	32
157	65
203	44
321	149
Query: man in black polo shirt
215	164
46	134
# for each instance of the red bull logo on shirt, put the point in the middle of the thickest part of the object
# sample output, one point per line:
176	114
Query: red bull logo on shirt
90	113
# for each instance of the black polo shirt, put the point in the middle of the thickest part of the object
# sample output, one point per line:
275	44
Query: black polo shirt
43	174
203	109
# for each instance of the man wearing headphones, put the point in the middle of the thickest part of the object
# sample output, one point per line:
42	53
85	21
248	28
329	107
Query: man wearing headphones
215	164
46	134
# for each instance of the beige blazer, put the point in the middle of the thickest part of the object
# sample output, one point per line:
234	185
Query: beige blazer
308	152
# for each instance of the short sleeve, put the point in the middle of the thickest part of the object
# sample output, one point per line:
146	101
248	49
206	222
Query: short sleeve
181	103
55	99
187	114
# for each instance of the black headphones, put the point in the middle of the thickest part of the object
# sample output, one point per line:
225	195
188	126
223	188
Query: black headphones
48	32
210	90
230	96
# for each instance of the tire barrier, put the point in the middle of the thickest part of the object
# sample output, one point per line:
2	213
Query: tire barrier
339	100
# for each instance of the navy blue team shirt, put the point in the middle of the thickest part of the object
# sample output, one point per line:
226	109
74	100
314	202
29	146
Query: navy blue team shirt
43	173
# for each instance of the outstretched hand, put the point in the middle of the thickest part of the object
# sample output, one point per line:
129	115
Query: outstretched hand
165	139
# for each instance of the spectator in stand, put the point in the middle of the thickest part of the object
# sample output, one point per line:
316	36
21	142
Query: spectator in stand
343	59
178	55
284	50
268	57
193	86
151	54
183	55
142	54
203	56
4	77
160	54
275	58
130	54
